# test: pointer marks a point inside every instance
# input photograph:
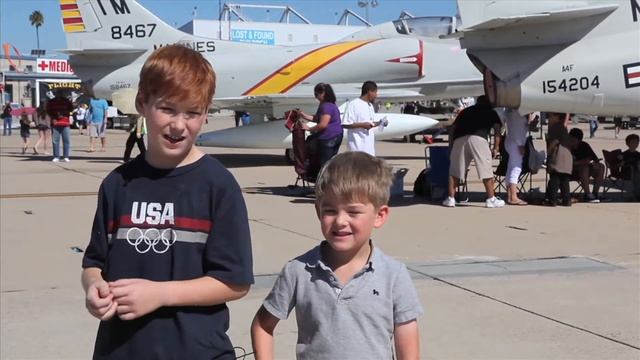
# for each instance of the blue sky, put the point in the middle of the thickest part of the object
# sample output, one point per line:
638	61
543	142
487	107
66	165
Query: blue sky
16	29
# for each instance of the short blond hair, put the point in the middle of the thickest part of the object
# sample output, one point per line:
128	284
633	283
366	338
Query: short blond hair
355	176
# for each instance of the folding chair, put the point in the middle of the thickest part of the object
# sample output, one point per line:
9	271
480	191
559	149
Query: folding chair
500	173
300	148
437	165
614	171
578	188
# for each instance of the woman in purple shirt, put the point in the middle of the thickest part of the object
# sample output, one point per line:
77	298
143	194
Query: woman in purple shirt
328	129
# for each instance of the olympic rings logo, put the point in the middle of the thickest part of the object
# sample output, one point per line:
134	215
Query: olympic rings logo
158	240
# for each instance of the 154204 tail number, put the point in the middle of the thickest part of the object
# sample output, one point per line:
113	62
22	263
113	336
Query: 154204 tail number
570	84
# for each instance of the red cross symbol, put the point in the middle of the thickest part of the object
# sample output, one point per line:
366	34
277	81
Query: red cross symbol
43	66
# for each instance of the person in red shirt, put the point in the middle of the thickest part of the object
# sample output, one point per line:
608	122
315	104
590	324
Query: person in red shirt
58	110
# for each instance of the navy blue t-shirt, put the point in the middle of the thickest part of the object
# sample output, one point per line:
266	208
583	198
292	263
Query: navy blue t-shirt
164	225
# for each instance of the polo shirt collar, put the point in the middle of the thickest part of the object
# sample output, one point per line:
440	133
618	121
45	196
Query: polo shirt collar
315	260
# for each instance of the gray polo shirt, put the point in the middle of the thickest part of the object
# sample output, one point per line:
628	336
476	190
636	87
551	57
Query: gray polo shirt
351	322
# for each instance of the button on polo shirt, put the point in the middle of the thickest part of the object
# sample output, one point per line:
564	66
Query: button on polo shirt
350	321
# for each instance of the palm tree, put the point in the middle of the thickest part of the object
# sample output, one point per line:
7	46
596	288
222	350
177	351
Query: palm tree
37	19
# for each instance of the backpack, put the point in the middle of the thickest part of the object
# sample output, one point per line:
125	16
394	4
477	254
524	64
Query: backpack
421	186
536	158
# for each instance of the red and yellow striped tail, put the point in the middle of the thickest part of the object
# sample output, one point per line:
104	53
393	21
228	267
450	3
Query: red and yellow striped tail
71	17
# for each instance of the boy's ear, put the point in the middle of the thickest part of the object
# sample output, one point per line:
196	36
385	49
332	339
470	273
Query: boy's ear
317	207
139	102
381	216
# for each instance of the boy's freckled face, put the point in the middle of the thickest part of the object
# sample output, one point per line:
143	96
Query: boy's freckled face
173	128
347	226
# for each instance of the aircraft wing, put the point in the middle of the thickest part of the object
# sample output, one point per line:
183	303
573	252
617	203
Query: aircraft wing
535	19
105	51
434	89
277	104
272	105
554	55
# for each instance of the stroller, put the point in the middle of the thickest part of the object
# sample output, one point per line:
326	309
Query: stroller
306	161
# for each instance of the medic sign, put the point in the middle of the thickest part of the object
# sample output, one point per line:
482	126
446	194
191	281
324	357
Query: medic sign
54	66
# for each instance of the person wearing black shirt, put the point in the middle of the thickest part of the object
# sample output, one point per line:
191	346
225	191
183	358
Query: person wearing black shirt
631	163
170	242
586	165
6	119
469	142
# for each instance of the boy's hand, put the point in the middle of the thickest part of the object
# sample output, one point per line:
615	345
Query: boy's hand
99	300
136	297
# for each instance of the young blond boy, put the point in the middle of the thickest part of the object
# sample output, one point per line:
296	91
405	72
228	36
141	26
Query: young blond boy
350	298
170	241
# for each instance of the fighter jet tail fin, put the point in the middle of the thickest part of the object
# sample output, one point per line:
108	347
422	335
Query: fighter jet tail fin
125	24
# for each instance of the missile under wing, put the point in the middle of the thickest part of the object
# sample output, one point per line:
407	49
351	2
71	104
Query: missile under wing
274	135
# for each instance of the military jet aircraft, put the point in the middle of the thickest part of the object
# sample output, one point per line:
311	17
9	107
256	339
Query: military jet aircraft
108	41
564	56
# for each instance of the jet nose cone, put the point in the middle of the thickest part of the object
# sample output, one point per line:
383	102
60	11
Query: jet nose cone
425	122
402	124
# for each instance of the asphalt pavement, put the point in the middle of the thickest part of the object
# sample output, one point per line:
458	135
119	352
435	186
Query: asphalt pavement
522	282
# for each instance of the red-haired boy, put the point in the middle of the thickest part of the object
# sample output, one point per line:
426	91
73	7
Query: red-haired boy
170	243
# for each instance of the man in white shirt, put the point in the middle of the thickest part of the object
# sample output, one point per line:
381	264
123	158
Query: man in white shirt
359	120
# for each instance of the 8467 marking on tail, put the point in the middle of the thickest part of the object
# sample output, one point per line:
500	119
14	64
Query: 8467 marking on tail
132	31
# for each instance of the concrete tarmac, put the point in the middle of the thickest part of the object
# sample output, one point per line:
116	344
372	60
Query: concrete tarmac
523	282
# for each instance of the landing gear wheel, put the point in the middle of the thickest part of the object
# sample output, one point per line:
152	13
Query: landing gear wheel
289	157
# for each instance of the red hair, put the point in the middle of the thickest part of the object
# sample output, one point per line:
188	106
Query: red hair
177	74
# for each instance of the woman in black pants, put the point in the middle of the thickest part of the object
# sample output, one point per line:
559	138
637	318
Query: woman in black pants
559	159
328	128
136	135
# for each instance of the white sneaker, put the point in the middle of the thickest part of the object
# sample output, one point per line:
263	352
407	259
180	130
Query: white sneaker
494	202
55	159
449	202
66	160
